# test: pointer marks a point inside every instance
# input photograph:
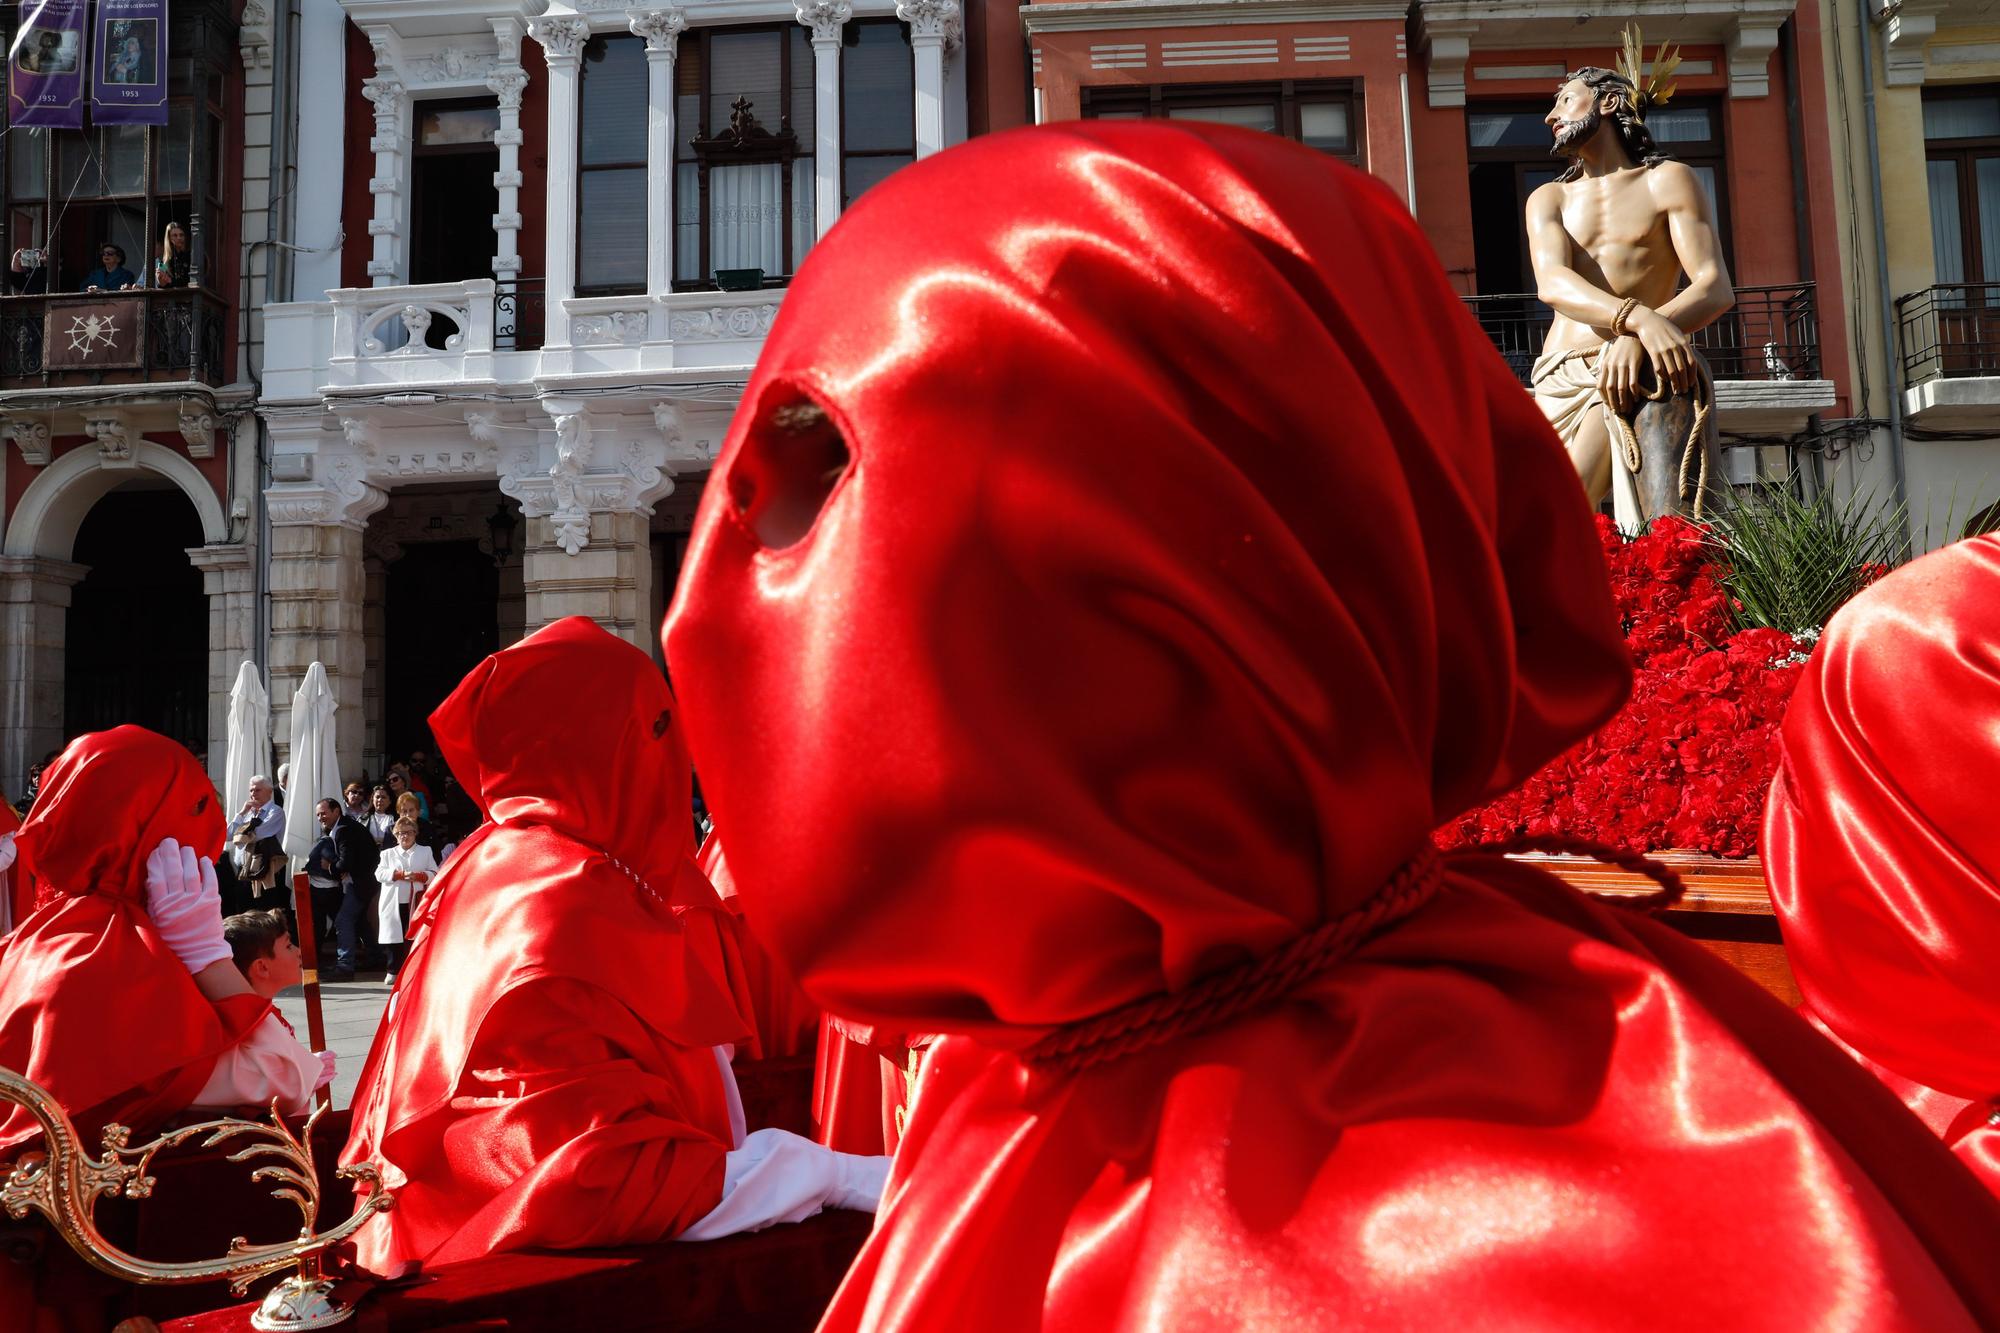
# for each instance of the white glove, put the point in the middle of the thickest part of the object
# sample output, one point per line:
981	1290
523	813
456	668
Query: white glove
6	849
325	1069
862	1180
186	908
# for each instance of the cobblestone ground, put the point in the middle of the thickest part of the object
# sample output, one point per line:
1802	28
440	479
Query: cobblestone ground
353	1009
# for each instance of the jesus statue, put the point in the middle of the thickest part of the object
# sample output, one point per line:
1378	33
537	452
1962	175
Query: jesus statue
1611	239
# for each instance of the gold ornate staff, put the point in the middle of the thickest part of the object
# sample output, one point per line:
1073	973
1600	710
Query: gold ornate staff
65	1182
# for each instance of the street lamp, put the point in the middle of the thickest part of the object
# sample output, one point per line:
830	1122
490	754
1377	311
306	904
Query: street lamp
500	528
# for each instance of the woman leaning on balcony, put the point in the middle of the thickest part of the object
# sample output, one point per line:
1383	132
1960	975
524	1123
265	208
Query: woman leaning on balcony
171	268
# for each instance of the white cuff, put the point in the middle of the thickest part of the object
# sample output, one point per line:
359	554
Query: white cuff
776	1176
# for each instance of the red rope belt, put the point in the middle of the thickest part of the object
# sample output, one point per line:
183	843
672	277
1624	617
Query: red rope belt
1221	996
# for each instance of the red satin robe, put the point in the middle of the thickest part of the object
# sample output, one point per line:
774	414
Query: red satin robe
1882	842
1124	582
545	1076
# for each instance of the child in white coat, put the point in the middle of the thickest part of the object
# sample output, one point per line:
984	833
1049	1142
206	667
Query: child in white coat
404	871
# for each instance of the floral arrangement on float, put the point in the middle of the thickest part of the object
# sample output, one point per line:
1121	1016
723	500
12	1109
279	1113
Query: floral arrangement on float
1720	619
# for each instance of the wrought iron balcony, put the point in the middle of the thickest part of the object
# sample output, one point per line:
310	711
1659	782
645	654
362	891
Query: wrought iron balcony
1772	333
137	337
1950	332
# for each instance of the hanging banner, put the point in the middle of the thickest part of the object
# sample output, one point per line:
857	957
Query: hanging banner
45	65
128	81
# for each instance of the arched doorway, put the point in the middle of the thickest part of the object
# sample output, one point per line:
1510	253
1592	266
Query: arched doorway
137	636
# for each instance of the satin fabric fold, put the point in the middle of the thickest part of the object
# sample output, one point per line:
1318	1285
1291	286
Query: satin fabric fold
1882	846
1127	579
545	1076
93	1004
784	1019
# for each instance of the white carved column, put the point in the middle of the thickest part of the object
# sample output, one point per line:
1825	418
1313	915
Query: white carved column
562	38
662	29
229	577
825	18
507	82
390	144
34	626
935	28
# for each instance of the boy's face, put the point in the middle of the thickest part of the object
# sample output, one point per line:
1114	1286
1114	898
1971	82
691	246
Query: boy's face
281	971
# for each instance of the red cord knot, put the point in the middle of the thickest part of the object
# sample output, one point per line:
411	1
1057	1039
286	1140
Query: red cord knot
1243	989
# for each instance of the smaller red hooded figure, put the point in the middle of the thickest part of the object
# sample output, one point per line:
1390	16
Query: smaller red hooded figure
95	1004
14	886
1093	611
1882	840
553	1068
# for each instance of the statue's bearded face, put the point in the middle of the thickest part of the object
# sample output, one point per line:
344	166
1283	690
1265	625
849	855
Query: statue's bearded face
1574	118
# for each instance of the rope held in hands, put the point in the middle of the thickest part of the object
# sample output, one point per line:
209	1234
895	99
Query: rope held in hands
1261	982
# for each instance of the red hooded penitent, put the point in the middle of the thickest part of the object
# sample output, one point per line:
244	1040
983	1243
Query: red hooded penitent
1882	842
93	1005
1127	552
545	1076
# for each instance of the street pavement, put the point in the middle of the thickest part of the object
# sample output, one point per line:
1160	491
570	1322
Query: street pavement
353	1010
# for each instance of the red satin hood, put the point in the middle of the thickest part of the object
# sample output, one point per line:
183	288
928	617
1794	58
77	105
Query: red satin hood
1197	558
573	729
106	803
1882	841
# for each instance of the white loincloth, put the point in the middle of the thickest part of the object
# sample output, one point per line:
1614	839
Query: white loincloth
1565	388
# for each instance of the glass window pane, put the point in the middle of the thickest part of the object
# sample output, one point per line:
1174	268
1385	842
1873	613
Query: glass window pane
687	222
177	148
877	100
687	125
215	158
1323	125
124	151
1115	115
1252	117
1706	175
804	233
744	65
746	216
1962	117
863	172
612	251
1986	183
1947	240
27	163
1506	129
79	175
456	124
1681	124
613	101
804	109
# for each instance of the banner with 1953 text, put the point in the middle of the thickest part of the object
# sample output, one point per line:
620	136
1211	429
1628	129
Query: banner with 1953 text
128	77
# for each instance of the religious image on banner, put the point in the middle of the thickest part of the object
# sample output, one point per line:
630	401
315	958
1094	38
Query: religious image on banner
99	335
128	85
45	65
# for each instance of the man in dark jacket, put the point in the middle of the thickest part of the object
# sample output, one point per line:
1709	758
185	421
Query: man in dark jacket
342	872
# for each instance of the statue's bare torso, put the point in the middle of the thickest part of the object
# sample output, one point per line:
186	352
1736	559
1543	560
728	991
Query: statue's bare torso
1618	240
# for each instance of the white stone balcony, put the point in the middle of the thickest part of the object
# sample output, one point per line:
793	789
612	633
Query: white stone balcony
374	342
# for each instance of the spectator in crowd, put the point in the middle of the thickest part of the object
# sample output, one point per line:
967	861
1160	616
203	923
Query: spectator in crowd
409	806
255	850
403	871
419	770
261	945
110	275
382	816
341	871
399	787
10	911
355	795
172	268
284	782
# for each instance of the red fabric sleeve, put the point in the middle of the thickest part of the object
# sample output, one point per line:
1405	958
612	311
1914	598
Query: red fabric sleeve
573	1126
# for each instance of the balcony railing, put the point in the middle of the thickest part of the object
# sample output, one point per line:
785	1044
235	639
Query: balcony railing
1772	333
520	314
1950	332
178	335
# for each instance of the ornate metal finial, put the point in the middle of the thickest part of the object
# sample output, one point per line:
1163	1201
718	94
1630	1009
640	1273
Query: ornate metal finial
64	1183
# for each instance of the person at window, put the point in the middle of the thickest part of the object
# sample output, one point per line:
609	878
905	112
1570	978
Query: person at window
1128	790
171	269
110	275
554	1070
27	271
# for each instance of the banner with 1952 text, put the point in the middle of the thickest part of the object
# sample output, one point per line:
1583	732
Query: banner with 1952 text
45	65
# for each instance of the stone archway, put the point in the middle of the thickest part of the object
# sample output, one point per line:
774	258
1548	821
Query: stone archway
37	575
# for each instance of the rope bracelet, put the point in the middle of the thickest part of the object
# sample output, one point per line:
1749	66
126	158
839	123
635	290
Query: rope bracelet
1624	313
